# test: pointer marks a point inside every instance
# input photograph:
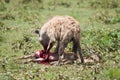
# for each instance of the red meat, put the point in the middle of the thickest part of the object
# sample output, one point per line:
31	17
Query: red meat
42	54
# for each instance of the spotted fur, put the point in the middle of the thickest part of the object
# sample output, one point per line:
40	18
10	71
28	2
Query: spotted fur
62	29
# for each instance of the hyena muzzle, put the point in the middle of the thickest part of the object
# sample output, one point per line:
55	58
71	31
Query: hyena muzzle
62	29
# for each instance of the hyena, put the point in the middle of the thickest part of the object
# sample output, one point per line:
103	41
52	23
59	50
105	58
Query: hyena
62	29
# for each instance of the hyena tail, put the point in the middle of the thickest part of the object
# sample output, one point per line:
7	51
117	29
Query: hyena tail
77	50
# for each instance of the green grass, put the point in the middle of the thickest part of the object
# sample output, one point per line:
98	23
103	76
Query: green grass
100	27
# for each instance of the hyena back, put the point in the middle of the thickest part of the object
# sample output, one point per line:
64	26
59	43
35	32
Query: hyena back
62	29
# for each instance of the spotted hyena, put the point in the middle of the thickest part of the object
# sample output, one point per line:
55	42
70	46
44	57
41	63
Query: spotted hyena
62	29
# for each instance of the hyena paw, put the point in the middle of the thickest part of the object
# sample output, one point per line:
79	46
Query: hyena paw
79	61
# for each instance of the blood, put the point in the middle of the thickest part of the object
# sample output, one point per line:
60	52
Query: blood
44	55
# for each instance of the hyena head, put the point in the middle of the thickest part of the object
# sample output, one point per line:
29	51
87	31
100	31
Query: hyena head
46	42
43	39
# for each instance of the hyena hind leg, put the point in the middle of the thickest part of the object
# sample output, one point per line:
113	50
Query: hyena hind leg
74	48
77	50
80	53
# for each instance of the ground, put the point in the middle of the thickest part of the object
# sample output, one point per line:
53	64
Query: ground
100	26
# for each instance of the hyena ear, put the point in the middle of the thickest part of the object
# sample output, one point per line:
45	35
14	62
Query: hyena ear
37	31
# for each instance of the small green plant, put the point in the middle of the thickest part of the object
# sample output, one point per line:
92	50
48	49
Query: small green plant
1	39
107	41
114	74
4	28
7	16
105	4
107	18
23	44
2	6
100	35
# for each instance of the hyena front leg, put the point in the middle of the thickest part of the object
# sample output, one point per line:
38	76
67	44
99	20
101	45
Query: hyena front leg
57	47
66	38
61	49
50	45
